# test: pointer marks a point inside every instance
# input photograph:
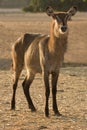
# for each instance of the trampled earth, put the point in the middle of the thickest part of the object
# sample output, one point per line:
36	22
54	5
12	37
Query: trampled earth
72	85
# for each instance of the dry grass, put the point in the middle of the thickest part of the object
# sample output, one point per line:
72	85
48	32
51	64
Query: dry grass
72	86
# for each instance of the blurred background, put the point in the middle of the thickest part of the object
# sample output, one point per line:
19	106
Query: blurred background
14	22
40	5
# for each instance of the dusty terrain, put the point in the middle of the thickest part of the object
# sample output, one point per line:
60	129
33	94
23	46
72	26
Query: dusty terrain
72	85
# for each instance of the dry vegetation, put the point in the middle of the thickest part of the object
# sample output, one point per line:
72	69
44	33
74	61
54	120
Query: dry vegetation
72	86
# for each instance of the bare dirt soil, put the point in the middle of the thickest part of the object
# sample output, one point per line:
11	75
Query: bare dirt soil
72	85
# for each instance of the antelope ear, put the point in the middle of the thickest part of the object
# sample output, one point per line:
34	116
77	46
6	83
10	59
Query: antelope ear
72	11
49	11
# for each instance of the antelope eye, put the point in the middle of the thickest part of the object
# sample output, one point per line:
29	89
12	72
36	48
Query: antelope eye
58	19
67	17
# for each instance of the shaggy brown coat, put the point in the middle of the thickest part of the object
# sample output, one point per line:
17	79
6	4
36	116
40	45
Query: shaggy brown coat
45	54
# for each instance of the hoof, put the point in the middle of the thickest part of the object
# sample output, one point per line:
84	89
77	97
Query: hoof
33	109
47	114
12	108
58	114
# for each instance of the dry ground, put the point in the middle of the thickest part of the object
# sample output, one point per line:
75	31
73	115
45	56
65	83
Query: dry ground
72	86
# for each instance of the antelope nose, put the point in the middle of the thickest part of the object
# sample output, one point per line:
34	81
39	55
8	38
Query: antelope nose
64	28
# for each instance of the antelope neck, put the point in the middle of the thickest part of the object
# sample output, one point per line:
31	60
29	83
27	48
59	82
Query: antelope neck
55	42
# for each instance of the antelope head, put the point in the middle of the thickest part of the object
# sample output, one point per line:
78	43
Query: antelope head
60	20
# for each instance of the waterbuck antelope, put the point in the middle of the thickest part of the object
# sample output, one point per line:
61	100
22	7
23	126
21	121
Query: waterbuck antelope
45	55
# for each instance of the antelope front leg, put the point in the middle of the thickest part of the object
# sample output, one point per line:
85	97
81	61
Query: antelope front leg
47	93
54	90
